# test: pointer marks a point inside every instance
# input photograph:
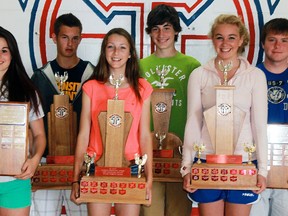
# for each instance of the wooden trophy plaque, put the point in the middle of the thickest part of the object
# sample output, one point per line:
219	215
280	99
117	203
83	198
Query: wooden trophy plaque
223	170
112	181
166	169
13	137
53	176
57	172
277	156
166	145
161	101
62	127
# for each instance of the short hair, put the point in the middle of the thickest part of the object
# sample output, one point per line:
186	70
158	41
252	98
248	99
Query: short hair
161	14
67	20
277	26
232	20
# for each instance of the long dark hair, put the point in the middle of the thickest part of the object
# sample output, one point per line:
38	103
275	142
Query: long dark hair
16	80
101	71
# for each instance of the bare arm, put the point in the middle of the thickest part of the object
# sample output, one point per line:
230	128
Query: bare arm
146	145
193	126
259	115
38	145
82	144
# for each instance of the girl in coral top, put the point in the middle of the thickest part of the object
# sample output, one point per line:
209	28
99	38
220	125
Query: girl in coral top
118	57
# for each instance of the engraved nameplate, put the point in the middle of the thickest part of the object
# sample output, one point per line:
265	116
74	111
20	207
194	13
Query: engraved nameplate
113	171
231	159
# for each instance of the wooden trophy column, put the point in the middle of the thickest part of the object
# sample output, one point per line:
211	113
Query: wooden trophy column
57	172
166	145
62	128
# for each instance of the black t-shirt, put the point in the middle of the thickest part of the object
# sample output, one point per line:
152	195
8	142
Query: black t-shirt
73	83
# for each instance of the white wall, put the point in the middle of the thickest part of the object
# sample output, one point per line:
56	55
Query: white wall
30	22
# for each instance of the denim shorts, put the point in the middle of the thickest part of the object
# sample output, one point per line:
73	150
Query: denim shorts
15	194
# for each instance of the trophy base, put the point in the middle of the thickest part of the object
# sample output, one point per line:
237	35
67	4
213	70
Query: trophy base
224	176
167	170
52	176
113	190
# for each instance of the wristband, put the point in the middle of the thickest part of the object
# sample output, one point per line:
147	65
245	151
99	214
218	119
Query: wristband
185	170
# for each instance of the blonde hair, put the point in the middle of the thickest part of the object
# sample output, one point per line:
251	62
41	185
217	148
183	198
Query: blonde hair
232	20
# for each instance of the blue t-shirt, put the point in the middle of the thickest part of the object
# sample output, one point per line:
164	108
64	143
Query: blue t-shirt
277	95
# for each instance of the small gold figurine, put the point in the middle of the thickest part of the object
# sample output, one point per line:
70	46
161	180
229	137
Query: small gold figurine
116	82
162	73
249	149
160	136
140	162
225	69
88	160
61	79
199	149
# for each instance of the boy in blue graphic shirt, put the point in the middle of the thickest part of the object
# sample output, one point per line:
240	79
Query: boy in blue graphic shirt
274	39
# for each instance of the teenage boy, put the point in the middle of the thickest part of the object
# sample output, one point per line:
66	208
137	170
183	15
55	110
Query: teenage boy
274	40
163	26
67	37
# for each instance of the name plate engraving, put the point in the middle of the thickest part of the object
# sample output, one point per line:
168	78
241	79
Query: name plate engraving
218	159
113	171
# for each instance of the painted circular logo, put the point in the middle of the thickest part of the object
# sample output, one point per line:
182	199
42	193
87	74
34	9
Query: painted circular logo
61	112
276	94
224	109
161	107
115	120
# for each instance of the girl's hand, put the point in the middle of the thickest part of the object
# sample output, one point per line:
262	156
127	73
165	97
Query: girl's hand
28	169
187	183
75	192
261	183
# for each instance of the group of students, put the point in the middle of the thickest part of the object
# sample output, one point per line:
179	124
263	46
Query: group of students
195	93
